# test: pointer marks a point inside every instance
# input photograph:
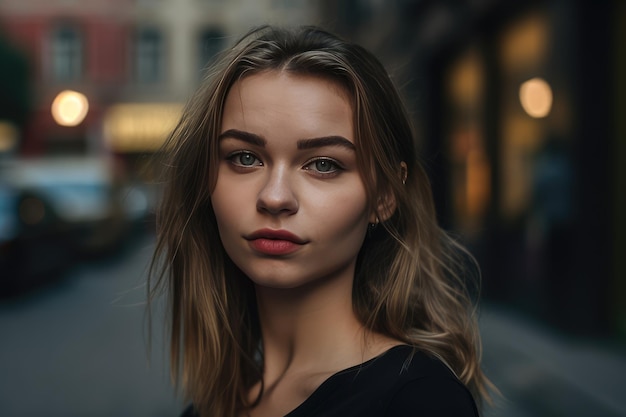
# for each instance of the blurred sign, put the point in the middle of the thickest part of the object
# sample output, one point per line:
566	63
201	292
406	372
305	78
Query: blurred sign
140	127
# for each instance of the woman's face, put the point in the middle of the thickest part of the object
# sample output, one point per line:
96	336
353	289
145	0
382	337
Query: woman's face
290	204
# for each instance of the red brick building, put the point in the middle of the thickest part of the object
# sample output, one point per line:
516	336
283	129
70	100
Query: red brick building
82	47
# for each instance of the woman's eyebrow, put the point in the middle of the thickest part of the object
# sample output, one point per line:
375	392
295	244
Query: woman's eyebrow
251	138
325	141
310	143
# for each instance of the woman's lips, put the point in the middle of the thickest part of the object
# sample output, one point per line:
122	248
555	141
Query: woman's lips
274	246
275	242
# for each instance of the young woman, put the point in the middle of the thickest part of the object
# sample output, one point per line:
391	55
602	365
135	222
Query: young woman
298	245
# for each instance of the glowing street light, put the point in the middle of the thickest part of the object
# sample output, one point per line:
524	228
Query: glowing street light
536	97
69	108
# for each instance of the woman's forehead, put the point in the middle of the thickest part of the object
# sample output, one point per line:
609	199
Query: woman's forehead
303	104
276	76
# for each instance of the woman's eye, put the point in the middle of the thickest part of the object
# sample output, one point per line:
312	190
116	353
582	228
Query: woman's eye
245	159
323	166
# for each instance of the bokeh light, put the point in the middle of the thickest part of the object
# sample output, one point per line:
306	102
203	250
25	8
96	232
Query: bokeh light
8	135
536	97
69	108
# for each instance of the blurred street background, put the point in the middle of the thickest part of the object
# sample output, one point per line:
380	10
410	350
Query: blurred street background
519	111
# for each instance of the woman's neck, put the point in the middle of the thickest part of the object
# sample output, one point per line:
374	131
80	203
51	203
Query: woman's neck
313	329
309	333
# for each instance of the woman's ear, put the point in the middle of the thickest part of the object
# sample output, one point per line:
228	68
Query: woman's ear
385	208
387	203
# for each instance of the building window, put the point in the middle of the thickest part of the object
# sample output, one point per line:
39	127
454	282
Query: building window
67	54
211	42
149	57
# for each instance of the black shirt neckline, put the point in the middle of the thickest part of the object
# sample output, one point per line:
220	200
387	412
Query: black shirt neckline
320	394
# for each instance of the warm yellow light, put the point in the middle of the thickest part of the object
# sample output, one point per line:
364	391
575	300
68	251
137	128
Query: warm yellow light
536	97
8	136
69	108
140	127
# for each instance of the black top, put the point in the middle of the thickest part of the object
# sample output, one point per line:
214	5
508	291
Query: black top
401	382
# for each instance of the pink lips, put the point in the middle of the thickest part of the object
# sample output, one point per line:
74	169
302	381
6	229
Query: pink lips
275	242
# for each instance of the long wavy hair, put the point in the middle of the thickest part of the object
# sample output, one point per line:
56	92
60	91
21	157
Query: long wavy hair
410	277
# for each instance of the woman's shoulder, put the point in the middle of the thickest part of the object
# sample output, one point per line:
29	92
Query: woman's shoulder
402	381
408	381
403	362
419	381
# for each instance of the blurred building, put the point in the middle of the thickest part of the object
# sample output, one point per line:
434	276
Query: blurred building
519	110
135	62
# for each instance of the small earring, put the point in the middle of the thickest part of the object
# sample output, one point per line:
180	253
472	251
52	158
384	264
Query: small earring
373	225
404	171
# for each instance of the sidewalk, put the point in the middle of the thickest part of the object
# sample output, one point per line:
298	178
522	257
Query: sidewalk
541	373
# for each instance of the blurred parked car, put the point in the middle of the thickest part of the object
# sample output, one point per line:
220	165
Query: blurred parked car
57	209
29	253
80	193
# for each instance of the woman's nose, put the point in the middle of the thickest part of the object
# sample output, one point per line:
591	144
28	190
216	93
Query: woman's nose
277	195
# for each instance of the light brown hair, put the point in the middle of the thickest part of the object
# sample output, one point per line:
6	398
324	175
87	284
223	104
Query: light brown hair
410	276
